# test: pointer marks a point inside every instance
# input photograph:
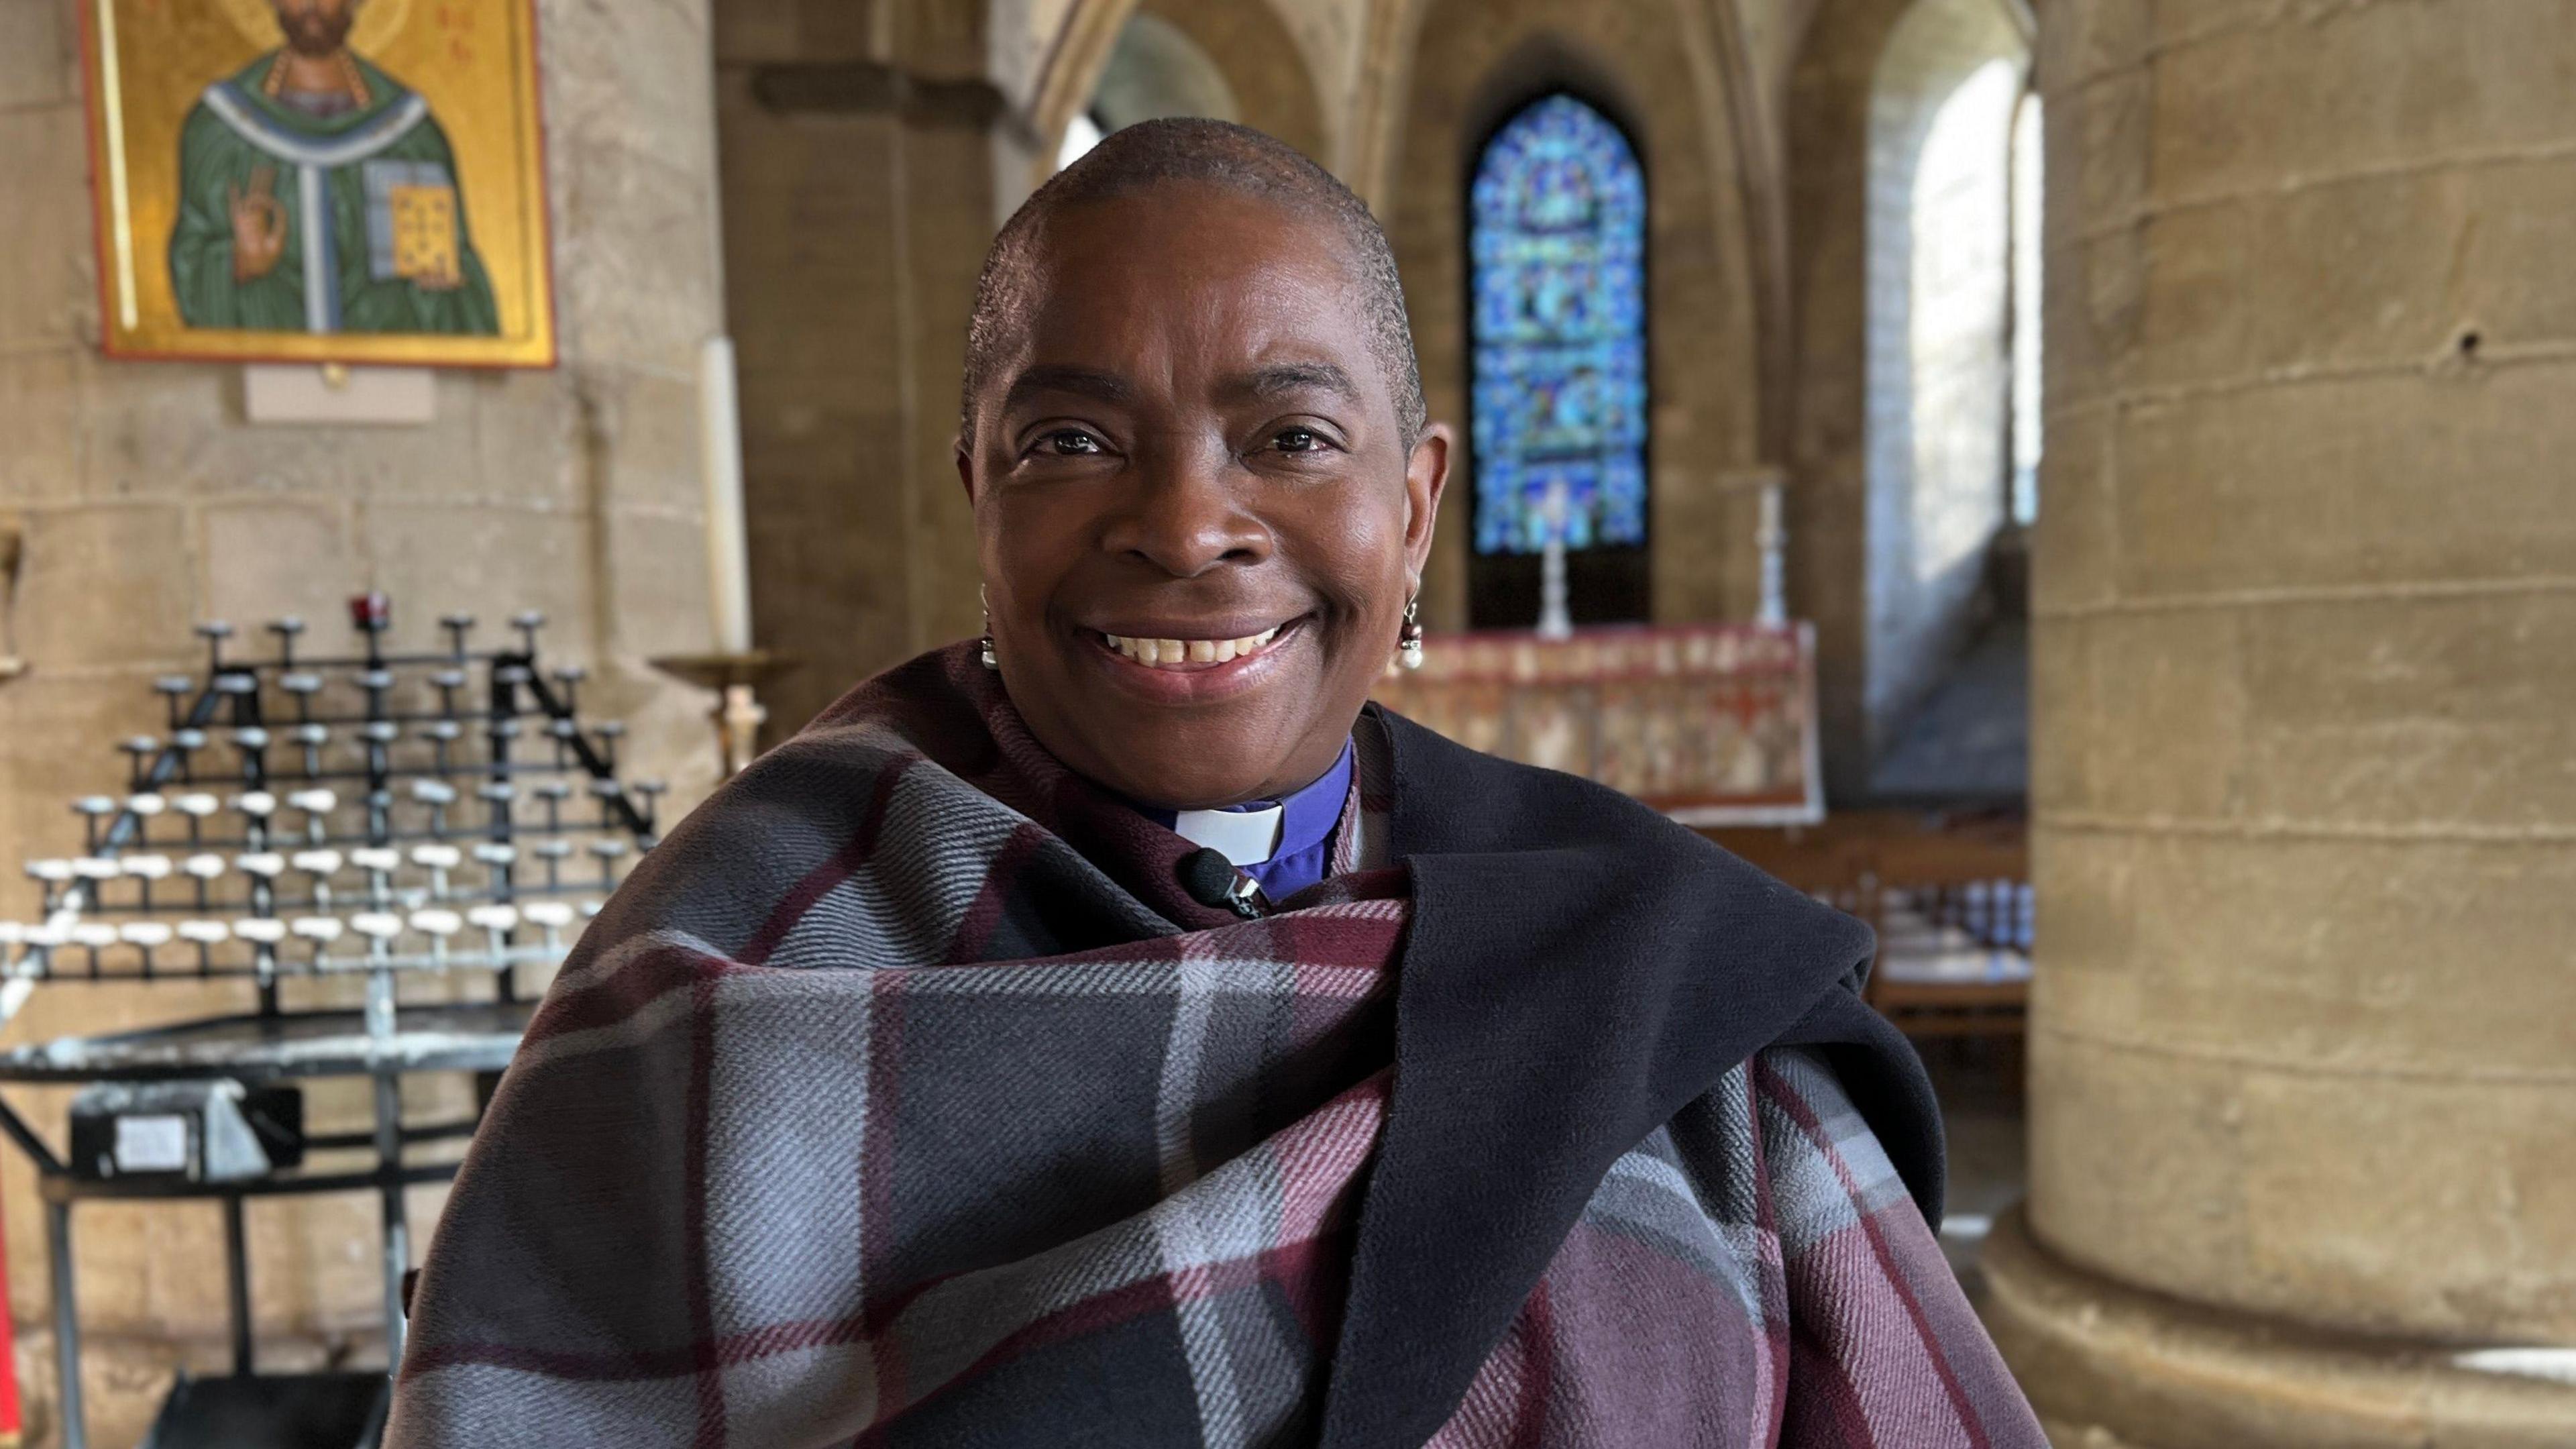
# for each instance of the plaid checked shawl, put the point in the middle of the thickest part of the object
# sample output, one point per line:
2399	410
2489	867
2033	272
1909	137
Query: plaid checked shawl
902	1097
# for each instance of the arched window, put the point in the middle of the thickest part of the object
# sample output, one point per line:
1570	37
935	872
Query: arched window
1557	248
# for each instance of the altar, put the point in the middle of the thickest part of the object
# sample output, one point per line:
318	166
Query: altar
1713	724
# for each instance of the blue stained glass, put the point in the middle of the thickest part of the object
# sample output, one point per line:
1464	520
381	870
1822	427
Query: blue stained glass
1557	236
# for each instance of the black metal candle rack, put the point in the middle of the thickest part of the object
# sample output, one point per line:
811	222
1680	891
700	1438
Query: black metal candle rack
304	818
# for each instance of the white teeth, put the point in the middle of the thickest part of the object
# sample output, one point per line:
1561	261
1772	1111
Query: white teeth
1166	653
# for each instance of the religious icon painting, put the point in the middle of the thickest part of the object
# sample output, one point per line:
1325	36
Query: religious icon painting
357	181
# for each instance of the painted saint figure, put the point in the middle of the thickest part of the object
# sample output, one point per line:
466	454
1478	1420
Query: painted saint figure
318	194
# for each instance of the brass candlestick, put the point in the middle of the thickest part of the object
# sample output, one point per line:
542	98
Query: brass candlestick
736	678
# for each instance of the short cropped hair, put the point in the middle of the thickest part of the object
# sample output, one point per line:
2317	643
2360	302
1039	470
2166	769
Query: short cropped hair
1217	153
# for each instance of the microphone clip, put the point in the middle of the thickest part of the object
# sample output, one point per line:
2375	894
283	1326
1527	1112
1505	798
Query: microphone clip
1245	899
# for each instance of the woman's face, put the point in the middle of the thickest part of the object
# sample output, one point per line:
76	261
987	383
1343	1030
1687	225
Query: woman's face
1198	519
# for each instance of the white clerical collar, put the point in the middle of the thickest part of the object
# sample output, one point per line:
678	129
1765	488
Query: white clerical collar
1245	837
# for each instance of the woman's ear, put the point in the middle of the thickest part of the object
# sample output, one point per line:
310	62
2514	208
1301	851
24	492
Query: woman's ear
1426	474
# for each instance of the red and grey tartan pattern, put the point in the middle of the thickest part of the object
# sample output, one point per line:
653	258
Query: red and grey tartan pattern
836	1129
1754	1273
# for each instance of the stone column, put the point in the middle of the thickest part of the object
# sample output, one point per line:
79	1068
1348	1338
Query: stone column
2303	1053
859	163
146	503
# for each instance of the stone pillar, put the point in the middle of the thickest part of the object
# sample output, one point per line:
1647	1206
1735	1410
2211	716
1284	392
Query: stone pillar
2303	1052
859	180
146	503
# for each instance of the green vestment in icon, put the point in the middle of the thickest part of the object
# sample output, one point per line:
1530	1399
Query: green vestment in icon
374	220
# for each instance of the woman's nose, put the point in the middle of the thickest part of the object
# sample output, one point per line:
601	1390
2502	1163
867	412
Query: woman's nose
1184	513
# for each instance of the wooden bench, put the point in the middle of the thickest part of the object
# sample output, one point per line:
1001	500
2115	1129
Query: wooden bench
1949	904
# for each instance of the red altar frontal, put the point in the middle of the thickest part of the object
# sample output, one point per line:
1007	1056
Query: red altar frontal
1713	724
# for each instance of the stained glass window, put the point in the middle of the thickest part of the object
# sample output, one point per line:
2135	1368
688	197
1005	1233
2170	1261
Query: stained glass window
1557	231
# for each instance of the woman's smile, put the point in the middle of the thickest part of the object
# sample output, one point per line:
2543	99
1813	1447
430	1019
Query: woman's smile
1173	665
1193	651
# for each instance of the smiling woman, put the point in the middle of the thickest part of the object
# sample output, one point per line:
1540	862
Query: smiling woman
1119	1033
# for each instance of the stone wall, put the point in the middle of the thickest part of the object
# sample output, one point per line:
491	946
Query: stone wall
147	503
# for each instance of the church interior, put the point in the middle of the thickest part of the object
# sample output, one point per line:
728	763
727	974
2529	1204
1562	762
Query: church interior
2070	481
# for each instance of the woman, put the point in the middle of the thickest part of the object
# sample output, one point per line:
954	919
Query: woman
1113	1033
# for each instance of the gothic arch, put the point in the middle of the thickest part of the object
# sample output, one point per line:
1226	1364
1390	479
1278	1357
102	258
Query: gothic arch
1269	73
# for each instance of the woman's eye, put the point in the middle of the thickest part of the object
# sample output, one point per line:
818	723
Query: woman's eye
1069	443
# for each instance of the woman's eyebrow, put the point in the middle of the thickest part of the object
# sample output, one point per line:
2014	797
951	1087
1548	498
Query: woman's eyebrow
1286	377
1090	382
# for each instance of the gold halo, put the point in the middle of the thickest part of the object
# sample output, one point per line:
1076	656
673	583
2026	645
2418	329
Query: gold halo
378	22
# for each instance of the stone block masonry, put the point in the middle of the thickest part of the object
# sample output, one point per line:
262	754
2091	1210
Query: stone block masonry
2303	1040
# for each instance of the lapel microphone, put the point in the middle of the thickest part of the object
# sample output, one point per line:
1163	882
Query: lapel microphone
1212	880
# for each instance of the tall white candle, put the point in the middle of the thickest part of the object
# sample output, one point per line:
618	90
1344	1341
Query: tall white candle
720	461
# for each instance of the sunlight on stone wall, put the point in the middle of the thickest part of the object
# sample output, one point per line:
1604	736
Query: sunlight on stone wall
1939	387
1961	229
